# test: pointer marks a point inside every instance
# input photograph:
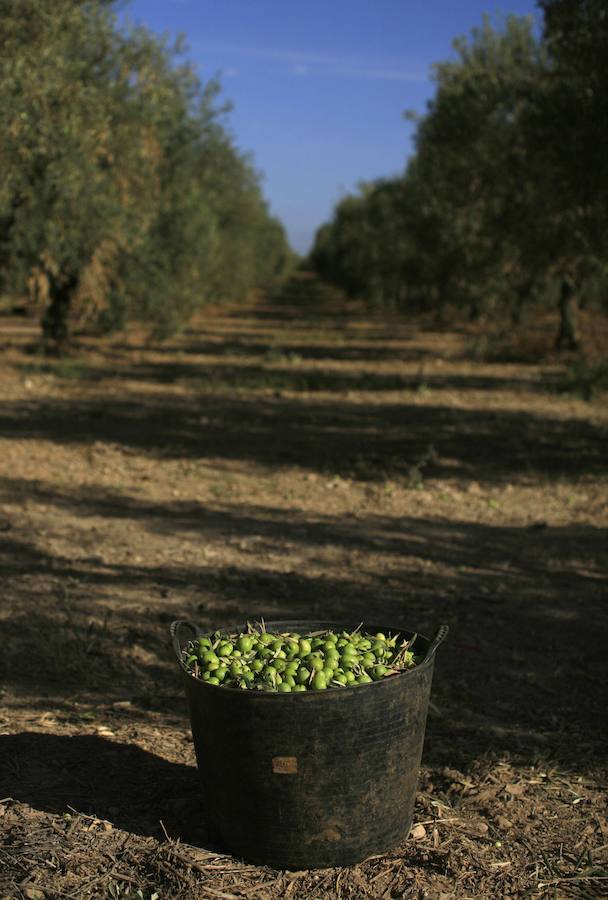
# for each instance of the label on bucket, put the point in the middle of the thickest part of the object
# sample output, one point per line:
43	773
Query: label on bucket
285	765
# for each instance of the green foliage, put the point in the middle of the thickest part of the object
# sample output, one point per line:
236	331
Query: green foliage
506	191
120	189
366	248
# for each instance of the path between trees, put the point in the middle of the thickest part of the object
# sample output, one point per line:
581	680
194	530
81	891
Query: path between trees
273	461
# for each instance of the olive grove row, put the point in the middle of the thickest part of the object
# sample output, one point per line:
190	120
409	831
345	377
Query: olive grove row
504	201
122	195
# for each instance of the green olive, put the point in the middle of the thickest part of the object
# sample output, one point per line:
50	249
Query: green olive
319	682
303	675
379	672
266	638
348	662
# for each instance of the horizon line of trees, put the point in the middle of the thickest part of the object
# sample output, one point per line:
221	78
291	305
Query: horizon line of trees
122	194
504	202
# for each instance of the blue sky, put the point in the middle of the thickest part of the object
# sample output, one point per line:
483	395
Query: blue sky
319	87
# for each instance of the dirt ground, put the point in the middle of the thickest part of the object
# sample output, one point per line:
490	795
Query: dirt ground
298	461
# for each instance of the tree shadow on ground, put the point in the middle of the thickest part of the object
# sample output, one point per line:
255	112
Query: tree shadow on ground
121	783
291	351
298	379
522	671
363	440
502	551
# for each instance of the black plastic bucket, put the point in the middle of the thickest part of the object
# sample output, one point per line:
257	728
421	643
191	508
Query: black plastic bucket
311	779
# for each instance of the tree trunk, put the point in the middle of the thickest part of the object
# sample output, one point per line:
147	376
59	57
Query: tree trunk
475	309
55	319
567	338
522	294
440	299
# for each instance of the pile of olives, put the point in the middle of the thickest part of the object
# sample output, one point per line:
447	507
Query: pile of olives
292	662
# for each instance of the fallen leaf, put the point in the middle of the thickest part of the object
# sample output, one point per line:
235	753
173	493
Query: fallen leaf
515	789
104	732
32	892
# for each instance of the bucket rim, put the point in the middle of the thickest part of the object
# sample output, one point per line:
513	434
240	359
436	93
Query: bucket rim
179	624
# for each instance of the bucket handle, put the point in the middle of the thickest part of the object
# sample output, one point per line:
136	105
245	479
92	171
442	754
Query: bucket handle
441	635
177	629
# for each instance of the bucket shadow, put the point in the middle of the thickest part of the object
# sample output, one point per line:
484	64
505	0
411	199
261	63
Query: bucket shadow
131	788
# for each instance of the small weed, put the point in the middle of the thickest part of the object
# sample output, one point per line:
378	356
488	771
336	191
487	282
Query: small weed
493	504
586	379
67	368
363	469
479	347
278	356
274	355
221	490
415	472
71	369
